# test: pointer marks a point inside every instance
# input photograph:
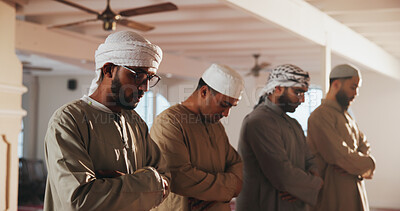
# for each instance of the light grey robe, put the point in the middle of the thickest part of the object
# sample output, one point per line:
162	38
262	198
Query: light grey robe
81	139
276	158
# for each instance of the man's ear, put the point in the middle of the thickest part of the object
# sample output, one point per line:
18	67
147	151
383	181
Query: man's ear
279	90
204	91
107	70
337	84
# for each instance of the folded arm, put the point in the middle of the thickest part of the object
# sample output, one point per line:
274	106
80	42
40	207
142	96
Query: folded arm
188	179
332	147
269	148
73	177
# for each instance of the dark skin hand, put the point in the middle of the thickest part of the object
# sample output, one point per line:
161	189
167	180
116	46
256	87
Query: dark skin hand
205	205
286	196
166	187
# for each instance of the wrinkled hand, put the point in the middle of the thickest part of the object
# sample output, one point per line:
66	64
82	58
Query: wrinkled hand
368	175
287	196
108	174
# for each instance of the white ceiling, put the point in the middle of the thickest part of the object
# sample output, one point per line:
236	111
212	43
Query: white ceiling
214	31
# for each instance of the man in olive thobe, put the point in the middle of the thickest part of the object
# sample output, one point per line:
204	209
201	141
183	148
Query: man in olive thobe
99	154
206	170
341	149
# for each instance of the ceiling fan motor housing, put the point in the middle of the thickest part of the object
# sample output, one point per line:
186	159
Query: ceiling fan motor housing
109	19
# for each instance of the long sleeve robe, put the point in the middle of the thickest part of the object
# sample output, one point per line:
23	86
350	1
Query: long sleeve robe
336	140
276	159
204	167
80	140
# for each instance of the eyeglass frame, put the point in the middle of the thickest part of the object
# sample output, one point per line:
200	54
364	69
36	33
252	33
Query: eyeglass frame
298	93
148	76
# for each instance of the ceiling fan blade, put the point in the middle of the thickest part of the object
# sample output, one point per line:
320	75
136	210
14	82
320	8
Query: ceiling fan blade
72	4
149	9
30	68
71	24
264	65
135	25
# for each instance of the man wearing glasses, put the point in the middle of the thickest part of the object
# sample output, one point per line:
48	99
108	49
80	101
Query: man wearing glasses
206	170
99	154
278	169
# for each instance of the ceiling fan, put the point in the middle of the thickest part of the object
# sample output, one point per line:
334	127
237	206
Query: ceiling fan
110	18
255	70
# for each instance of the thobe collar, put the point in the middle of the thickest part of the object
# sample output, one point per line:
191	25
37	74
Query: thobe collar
96	104
275	108
333	104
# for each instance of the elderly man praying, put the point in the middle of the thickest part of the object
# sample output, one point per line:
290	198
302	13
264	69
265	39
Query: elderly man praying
206	170
99	154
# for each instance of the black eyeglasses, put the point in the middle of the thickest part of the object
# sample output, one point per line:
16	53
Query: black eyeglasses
140	79
298	92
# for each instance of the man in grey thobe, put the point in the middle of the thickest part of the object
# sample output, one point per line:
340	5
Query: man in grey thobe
278	172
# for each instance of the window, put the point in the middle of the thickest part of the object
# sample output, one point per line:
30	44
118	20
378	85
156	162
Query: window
145	107
312	99
21	141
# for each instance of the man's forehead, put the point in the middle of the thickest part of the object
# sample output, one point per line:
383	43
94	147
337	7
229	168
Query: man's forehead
226	99
148	70
300	88
354	81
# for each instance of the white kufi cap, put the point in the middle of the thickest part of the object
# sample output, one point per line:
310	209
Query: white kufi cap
224	80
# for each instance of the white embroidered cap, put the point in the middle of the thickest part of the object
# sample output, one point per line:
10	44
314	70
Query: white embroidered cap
224	80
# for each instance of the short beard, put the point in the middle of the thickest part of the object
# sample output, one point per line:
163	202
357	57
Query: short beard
116	90
285	104
342	99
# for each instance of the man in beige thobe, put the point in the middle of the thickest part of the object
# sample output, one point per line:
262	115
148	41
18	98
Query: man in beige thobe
341	149
206	170
279	171
99	154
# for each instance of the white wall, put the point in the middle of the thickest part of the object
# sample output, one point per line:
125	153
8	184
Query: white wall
377	112
53	93
29	103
